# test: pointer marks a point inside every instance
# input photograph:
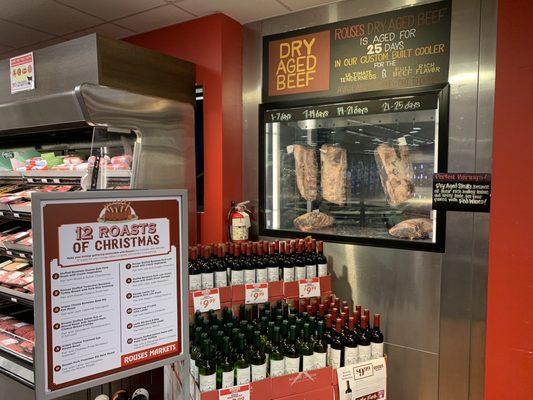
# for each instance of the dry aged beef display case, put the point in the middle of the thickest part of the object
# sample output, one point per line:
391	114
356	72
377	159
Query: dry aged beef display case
356	169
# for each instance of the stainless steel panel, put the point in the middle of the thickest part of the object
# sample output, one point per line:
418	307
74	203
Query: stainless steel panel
58	68
12	390
433	304
41	112
165	155
420	382
404	286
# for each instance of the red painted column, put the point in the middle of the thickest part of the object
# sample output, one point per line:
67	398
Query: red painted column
214	44
509	351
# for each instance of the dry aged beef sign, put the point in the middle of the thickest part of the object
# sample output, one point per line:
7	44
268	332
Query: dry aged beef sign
461	192
398	49
110	284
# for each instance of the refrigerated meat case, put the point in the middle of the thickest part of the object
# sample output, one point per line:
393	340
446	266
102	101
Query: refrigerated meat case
356	169
105	115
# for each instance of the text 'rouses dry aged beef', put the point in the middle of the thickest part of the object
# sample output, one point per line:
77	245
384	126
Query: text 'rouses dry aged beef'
306	171
396	173
312	221
333	174
417	228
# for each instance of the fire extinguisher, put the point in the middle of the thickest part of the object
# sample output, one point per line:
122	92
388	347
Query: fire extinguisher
239	222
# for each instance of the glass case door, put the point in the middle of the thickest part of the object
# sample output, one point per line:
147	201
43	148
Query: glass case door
355	171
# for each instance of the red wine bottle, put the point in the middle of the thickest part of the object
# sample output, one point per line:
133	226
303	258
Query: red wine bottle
376	338
365	349
195	273
351	352
337	348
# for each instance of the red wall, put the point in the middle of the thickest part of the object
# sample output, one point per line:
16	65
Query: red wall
509	352
214	44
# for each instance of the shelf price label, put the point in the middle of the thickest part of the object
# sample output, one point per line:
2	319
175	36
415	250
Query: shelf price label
240	392
256	293
309	287
206	300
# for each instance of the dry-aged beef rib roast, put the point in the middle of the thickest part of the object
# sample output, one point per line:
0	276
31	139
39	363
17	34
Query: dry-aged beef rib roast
396	173
306	170
312	221
417	228
333	174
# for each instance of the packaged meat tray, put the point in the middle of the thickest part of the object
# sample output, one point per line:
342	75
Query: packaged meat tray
21	281
15	265
29	288
17	345
13	237
23	244
9	277
5	200
20	206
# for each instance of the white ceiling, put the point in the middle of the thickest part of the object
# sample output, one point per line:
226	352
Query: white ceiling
27	25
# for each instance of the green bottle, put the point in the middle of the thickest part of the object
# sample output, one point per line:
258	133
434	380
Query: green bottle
267	343
207	372
291	353
258	359
284	332
312	331
321	348
276	363
225	374
196	351
241	366
306	350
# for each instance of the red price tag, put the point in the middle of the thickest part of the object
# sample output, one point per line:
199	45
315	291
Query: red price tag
309	287
241	392
205	300
256	293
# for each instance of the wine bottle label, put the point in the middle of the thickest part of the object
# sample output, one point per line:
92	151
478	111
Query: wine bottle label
328	355
237	277
310	271
261	275
365	353
320	360
208	382
208	280
292	365
221	279
299	273
376	350
288	274
227	379
322	269
335	358
249	276
277	367
195	282
242	375
259	372
273	274
308	363
194	370
351	355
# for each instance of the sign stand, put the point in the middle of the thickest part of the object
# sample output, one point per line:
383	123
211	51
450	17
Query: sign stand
110	291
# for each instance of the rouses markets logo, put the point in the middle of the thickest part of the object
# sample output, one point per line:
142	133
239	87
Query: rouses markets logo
299	64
